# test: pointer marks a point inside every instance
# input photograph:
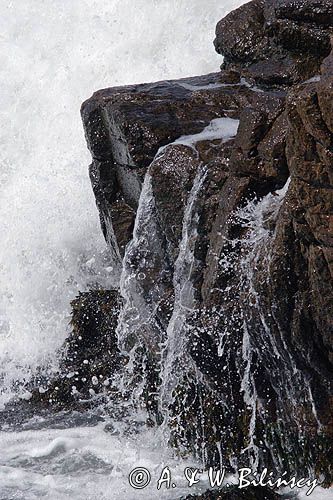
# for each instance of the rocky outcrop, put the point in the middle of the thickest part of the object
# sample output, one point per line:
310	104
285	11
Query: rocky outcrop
227	264
126	126
310	204
90	357
276	42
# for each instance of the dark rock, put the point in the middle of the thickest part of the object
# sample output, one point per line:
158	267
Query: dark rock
308	11
90	355
241	37
260	144
133	122
233	193
175	168
278	42
252	367
309	148
122	219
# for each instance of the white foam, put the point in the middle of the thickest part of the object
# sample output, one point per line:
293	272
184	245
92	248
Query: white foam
254	88
54	55
58	445
220	128
209	86
314	79
86	463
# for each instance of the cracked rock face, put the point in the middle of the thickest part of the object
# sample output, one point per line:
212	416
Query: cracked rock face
276	42
259	330
126	126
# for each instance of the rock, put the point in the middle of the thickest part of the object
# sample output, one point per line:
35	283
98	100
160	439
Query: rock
241	36
278	42
260	144
289	317
133	122
233	193
227	278
308	11
122	219
309	147
175	168
90	356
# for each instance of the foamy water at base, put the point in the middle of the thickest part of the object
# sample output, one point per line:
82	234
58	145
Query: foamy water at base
87	463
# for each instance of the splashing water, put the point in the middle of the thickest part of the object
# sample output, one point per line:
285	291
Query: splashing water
258	218
253	217
175	355
54	55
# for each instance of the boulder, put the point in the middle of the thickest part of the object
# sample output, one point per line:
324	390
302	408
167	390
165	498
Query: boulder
90	357
276	42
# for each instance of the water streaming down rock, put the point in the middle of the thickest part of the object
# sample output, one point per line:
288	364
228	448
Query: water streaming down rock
258	218
142	255
157	278
275	387
175	361
151	343
265	341
140	333
142	285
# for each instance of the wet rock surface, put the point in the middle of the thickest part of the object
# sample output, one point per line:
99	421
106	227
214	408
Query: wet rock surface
246	360
276	42
126	126
89	359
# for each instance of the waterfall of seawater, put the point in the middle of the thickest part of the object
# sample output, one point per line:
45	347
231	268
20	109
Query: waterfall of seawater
262	345
142	286
255	217
175	360
139	327
145	273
